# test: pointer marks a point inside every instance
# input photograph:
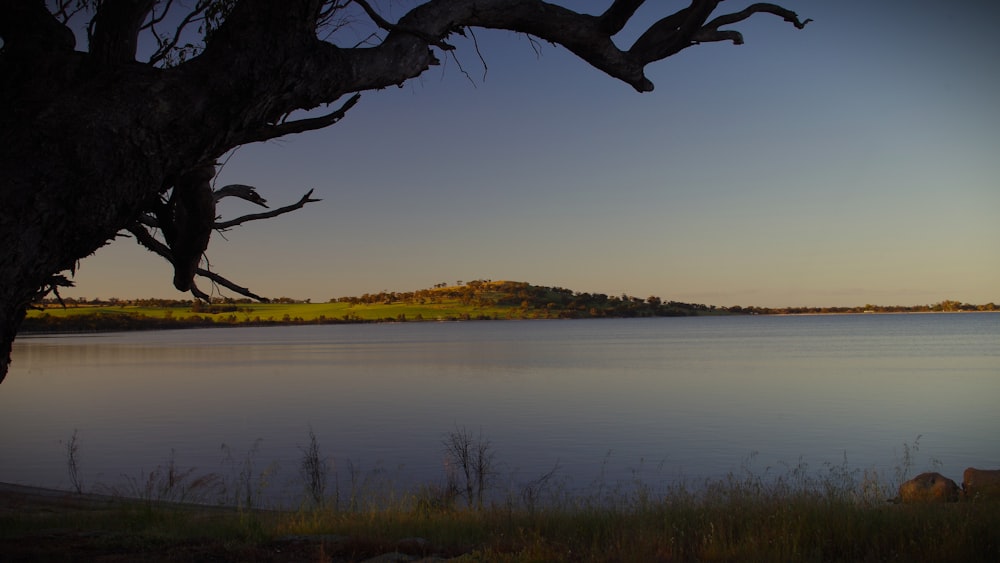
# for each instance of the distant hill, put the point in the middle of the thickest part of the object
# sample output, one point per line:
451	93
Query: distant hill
534	301
474	300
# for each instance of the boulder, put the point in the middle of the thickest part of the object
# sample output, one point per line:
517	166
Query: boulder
929	487
981	484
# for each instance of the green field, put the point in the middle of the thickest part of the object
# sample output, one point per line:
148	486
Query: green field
105	318
278	312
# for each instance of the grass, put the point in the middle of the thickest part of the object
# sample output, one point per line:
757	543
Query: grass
835	514
288	312
721	524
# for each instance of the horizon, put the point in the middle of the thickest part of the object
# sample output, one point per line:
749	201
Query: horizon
846	163
461	283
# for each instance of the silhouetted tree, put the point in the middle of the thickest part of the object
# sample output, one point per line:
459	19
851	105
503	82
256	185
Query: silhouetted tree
98	143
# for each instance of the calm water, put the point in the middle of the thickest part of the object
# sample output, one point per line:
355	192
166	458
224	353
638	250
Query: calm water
671	399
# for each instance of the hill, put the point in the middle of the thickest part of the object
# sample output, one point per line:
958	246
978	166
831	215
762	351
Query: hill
475	300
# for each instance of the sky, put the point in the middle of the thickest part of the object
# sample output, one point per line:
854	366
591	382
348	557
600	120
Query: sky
856	161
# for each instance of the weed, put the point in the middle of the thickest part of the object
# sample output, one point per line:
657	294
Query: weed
170	483
532	491
432	499
313	469
73	462
907	462
368	490
248	485
470	459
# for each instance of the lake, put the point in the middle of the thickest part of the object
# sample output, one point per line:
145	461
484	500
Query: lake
610	401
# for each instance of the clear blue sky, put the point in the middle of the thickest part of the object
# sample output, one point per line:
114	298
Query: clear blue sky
856	161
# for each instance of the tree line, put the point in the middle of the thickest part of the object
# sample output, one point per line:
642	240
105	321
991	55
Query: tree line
521	295
946	306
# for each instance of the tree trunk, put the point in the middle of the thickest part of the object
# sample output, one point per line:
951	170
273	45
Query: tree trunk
74	173
84	153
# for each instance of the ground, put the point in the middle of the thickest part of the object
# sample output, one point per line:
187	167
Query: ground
77	543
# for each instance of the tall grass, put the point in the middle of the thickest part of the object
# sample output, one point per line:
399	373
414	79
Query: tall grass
313	468
73	461
795	513
170	483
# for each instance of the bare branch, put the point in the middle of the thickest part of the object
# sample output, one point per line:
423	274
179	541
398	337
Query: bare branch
787	15
326	13
67	9
375	17
155	19
52	287
588	37
479	53
384	24
229	285
199	294
711	31
710	35
244	192
584	35
330	24
241	191
618	14
299	126
148	241
223	225
166	46
673	33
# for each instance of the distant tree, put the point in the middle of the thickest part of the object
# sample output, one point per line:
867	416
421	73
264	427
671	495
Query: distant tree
110	137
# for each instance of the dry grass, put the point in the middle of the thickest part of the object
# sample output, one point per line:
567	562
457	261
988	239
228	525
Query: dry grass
834	514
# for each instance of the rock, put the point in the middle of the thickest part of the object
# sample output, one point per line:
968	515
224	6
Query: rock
981	484
929	487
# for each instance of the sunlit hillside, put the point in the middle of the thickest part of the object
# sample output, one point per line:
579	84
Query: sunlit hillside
462	301
474	300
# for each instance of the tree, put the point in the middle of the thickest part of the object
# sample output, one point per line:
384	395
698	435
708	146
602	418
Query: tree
97	143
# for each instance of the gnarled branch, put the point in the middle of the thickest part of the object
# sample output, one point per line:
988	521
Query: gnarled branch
223	225
711	32
588	37
168	43
300	125
216	278
382	23
785	14
149	242
617	15
242	191
151	220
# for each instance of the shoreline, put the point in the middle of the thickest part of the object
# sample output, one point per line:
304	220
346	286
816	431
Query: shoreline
150	324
